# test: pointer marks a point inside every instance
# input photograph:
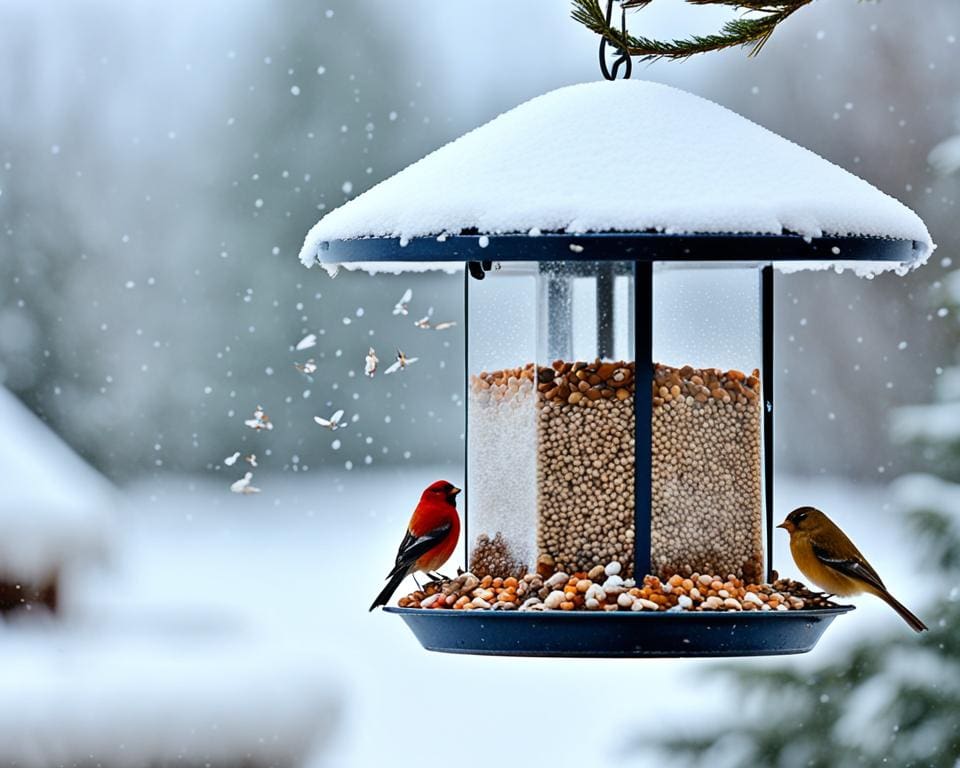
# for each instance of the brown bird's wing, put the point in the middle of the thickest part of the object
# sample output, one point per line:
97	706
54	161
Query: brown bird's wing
855	567
412	547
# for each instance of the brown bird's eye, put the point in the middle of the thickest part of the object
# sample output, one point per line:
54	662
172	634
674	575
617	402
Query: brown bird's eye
800	517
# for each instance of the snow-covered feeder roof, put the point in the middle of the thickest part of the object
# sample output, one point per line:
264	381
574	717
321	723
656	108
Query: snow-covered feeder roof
625	169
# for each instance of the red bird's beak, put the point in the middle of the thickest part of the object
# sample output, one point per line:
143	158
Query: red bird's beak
456	491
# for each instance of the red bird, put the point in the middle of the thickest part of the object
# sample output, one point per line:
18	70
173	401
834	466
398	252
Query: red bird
430	539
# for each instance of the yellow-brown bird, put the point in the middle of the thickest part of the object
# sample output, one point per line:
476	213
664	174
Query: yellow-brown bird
831	561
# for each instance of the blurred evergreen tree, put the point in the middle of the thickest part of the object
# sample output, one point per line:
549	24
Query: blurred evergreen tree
153	198
889	700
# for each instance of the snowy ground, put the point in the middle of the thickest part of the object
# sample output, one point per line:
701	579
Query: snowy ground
228	626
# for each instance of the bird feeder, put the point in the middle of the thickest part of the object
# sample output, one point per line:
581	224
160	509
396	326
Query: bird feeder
621	241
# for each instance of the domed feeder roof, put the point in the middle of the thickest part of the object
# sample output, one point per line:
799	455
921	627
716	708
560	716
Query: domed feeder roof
643	170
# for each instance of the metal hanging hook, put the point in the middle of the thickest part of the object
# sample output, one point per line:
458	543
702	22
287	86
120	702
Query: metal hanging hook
479	269
623	58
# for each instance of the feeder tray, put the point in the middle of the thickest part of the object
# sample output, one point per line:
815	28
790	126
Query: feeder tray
620	634
510	193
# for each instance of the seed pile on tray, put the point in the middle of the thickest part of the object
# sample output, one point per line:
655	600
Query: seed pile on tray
604	589
490	556
502	435
552	450
706	472
585	464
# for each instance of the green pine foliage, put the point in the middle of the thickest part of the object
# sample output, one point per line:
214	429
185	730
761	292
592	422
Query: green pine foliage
889	700
752	30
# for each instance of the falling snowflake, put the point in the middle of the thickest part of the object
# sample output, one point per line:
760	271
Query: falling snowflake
243	485
333	423
307	368
400	308
402	362
425	323
310	340
370	363
260	420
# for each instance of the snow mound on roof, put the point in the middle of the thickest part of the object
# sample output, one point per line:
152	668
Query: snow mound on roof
628	156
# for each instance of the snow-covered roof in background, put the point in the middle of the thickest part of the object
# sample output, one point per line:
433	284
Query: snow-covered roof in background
947	384
54	507
931	422
627	156
922	491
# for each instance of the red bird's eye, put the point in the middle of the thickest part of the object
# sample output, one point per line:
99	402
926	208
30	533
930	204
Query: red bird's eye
443	488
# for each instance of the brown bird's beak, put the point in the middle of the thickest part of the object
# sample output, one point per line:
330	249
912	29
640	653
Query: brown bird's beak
787	526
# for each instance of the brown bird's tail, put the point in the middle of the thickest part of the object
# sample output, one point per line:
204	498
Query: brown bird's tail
395	578
915	624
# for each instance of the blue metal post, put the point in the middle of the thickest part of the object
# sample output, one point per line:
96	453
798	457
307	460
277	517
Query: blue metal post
643	413
766	391
466	414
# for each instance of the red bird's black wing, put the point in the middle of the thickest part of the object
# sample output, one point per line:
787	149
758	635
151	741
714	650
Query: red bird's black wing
851	567
408	541
412	547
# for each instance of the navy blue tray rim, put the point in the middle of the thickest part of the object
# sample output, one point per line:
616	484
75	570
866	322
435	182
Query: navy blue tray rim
622	246
540	617
710	628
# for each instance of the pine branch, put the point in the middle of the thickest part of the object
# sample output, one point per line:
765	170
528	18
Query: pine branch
752	32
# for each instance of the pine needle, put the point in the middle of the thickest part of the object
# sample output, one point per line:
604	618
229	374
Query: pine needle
751	32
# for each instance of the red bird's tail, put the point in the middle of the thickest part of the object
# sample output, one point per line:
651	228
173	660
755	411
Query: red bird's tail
385	595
